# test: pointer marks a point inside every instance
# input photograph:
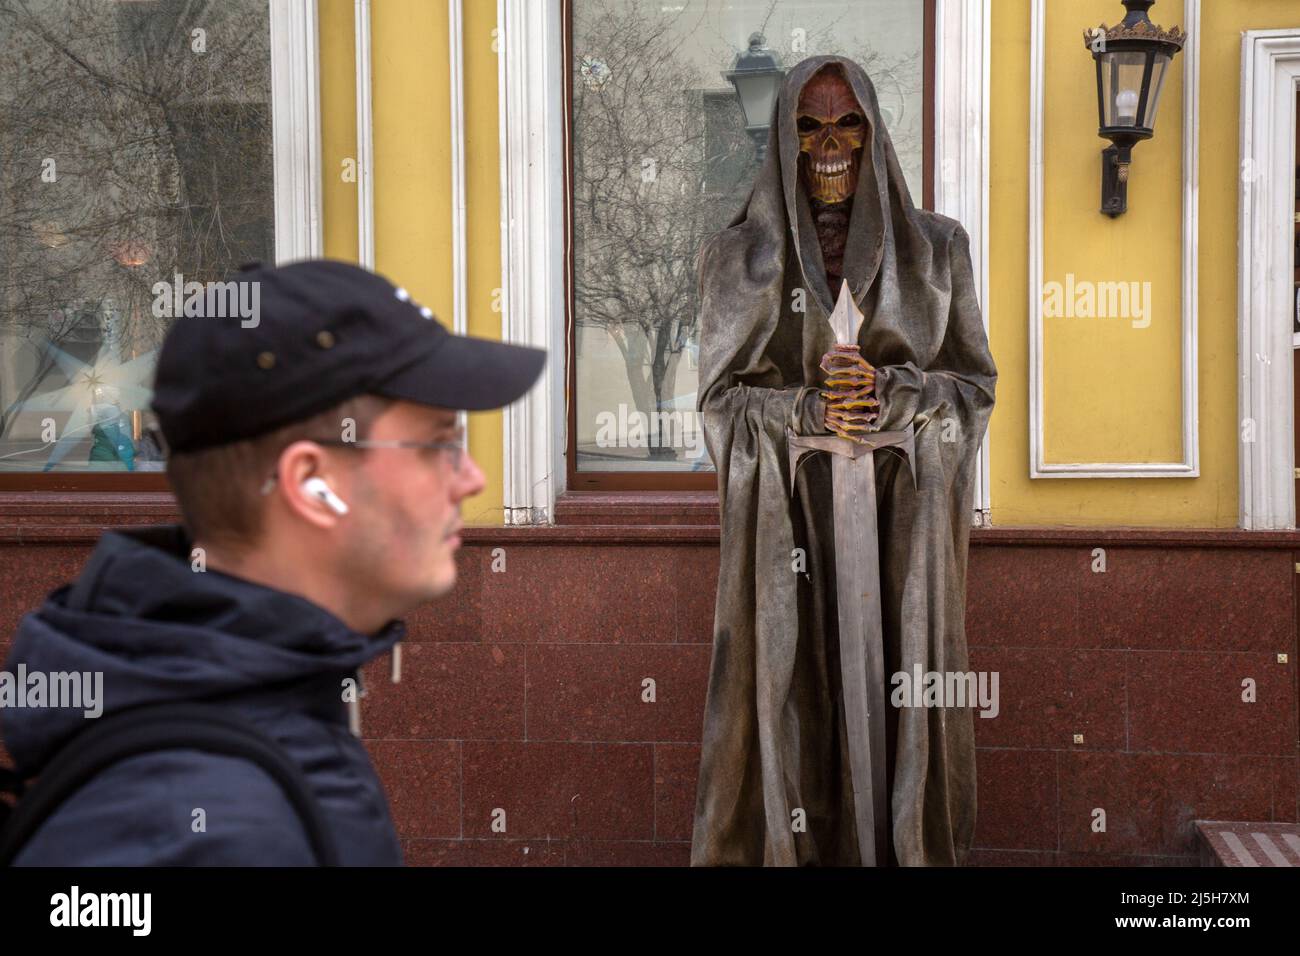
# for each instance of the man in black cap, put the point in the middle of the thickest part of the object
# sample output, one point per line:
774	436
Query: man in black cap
319	467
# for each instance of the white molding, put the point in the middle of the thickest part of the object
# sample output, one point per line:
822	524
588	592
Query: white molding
1037	90
961	167
1270	76
365	139
459	257
459	252
295	125
531	96
1189	466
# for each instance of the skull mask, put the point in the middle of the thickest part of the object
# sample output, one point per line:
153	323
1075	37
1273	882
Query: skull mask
832	130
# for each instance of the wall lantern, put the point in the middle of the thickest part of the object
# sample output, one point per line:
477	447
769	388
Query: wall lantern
757	76
1133	58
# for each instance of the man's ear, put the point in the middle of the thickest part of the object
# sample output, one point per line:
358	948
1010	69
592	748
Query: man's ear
298	462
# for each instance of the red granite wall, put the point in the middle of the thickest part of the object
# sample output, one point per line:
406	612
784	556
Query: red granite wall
523	692
1146	661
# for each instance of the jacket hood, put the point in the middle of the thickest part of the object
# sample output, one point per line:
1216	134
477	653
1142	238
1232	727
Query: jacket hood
159	631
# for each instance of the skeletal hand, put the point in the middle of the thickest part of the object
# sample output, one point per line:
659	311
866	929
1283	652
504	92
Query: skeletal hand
850	392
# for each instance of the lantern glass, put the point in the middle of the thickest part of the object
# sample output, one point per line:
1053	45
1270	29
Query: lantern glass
757	95
1121	87
1157	81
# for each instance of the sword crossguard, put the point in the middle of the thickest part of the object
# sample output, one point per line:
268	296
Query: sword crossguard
901	441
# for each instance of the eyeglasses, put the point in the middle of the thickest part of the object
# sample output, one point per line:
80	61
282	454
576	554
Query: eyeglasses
456	448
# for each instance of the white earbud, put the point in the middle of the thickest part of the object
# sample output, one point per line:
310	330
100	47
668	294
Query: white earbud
318	489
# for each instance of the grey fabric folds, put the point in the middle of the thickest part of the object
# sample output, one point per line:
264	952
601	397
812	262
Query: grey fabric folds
774	739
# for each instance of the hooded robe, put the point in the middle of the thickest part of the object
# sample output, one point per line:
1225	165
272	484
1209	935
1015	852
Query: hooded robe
774	740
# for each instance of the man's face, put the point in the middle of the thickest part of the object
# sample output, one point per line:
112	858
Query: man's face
402	532
832	131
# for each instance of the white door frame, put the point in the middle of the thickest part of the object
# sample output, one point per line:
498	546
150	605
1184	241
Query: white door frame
531	85
1270	76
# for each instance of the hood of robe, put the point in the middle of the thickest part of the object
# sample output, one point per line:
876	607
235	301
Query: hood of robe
896	260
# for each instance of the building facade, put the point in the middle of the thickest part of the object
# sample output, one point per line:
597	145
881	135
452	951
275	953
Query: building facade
544	171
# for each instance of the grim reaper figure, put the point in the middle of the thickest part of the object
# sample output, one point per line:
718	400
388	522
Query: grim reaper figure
830	206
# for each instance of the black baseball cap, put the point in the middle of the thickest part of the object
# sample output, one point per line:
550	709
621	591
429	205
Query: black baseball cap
275	345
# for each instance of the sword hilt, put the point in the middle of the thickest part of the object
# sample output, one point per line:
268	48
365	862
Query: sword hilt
901	441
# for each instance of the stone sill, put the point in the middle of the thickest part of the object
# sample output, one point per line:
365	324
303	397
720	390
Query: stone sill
593	518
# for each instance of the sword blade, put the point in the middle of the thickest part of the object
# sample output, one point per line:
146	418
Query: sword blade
862	667
861	628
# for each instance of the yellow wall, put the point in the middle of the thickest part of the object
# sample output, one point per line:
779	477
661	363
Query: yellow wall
411	104
483	235
338	128
1113	391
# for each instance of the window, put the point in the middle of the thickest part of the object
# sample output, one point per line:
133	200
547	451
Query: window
659	160
136	160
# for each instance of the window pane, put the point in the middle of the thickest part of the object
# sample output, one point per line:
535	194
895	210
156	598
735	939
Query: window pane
135	149
660	161
1122	87
1159	62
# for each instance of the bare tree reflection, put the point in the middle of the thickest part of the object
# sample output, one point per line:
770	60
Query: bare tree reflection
136	145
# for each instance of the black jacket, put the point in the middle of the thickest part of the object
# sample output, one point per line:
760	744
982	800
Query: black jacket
160	631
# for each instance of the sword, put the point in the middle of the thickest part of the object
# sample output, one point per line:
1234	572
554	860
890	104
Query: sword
857	585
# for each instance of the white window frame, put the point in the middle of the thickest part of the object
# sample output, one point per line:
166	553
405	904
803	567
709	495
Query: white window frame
295	128
1270	77
1189	466
531	86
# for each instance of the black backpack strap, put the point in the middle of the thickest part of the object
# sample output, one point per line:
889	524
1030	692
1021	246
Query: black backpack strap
151	728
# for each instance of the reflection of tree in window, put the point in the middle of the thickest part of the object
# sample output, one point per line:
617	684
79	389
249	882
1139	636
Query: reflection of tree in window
661	161
161	146
640	214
